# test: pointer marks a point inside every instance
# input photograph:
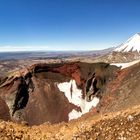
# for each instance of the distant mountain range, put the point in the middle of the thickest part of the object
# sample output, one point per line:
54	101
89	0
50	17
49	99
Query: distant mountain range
127	51
52	54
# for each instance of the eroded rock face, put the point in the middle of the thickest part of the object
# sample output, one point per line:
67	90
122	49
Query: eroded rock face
54	92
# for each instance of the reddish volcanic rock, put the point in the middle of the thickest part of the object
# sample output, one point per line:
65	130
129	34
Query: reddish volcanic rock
70	70
4	110
123	91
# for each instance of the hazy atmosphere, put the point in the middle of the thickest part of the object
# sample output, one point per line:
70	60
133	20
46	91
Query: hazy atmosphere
27	25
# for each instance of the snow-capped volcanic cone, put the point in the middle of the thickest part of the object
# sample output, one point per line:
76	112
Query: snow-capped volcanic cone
131	45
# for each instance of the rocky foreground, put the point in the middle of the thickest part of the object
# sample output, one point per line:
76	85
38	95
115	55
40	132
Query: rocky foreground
122	125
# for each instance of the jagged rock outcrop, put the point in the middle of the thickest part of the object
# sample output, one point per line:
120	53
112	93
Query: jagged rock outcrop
47	92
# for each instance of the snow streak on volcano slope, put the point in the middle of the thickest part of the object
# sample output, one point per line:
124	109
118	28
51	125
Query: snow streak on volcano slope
131	45
125	65
74	95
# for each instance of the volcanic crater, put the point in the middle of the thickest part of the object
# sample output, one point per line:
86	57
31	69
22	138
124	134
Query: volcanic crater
53	92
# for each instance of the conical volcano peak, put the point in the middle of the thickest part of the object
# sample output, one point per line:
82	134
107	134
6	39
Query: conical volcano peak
131	45
138	34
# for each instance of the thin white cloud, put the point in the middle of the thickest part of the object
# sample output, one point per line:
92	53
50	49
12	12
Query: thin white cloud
22	48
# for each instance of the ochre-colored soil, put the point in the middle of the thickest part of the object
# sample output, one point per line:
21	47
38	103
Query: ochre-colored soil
122	125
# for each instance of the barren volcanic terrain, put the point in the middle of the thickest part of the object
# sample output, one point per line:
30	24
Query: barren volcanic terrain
70	100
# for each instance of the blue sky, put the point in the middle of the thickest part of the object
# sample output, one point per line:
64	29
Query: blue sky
67	24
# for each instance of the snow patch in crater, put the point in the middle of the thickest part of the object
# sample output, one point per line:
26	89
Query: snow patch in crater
74	95
74	114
